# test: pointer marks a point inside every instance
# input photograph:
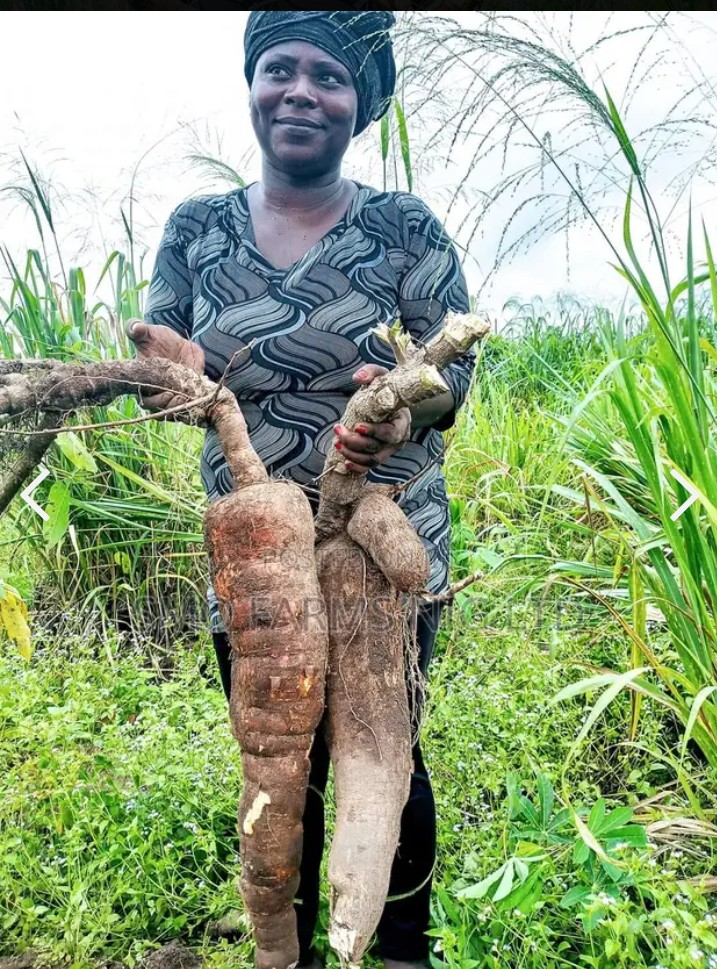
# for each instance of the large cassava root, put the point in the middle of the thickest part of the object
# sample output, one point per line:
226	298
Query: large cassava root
279	651
279	655
367	554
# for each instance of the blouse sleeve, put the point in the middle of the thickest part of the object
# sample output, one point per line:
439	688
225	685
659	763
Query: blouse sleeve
432	283
169	299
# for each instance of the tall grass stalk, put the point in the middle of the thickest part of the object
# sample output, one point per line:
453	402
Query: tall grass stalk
662	398
664	391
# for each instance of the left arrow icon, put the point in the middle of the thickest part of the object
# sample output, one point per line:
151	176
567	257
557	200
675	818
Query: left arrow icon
25	495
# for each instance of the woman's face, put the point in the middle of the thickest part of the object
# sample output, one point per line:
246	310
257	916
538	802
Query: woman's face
303	108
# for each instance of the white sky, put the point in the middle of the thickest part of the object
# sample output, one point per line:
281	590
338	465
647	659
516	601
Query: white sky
86	95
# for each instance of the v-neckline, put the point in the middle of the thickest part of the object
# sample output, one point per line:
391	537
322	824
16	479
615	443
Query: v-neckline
260	259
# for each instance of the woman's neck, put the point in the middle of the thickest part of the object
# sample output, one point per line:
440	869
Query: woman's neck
279	190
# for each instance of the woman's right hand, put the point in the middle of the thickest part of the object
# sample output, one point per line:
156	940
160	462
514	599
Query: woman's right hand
163	341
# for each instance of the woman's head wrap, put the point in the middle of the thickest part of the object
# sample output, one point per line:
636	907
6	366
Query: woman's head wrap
359	39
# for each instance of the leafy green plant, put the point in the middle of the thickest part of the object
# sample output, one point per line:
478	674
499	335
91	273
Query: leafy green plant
593	864
545	838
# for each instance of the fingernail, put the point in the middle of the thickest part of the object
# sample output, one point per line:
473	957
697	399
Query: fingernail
361	374
361	429
337	428
338	445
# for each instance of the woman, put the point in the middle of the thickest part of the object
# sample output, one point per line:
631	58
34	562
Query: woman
306	263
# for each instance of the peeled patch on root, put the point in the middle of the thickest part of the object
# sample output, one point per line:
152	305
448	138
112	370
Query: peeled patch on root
254	812
342	940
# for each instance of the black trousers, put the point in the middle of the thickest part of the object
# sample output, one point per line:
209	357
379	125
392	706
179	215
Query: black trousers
406	915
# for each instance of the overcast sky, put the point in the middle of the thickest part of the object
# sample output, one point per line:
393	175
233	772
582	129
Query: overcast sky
87	95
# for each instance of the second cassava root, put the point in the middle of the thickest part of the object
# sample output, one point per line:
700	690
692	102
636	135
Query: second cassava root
368	553
368	723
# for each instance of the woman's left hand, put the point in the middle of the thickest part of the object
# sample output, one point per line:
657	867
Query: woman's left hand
371	444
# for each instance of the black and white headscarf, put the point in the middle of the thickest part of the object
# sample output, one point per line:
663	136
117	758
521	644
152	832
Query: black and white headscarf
359	39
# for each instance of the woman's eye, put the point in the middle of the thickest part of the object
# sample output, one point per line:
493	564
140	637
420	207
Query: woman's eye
330	78
276	69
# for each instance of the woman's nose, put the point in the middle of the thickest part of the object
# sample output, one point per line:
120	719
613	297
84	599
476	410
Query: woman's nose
301	91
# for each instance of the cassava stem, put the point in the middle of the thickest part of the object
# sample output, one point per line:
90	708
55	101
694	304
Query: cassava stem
416	378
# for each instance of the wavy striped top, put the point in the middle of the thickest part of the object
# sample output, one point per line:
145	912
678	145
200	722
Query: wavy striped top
388	256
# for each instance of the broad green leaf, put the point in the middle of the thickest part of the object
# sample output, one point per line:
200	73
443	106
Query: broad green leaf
73	448
632	834
58	508
526	895
506	882
588	837
615	819
612	870
596	816
575	895
481	888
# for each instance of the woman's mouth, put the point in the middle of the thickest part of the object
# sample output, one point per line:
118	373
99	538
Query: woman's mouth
298	125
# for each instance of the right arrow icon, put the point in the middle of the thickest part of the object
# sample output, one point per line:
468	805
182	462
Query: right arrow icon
689	488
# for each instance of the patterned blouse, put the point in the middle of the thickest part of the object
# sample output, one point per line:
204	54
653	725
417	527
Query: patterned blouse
388	256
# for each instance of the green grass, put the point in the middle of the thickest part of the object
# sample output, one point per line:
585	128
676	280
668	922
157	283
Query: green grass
119	795
119	788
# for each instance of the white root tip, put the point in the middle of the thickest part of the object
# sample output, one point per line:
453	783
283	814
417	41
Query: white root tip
342	940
